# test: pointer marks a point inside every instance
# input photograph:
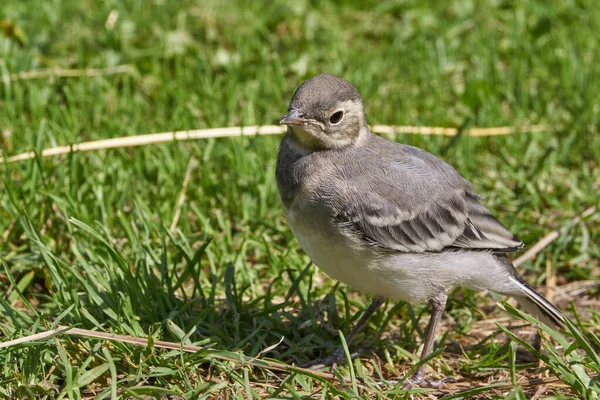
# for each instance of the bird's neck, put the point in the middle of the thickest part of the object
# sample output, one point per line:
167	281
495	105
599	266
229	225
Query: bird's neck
364	136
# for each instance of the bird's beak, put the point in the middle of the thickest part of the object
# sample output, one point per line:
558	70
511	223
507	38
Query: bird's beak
294	117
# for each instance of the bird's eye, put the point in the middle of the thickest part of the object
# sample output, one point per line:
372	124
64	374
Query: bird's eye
336	117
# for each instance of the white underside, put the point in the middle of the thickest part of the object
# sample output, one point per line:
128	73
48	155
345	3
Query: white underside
412	277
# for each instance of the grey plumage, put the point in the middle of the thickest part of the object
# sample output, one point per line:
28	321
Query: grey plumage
411	201
386	218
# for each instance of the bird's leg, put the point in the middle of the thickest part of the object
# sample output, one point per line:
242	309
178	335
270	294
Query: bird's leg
338	356
438	305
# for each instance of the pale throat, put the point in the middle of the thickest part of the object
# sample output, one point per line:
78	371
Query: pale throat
304	138
319	142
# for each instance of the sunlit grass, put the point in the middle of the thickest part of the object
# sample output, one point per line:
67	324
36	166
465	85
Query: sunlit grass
85	238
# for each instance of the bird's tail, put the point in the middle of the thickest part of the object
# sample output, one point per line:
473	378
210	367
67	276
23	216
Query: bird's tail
536	305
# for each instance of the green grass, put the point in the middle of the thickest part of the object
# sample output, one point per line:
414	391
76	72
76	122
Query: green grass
85	241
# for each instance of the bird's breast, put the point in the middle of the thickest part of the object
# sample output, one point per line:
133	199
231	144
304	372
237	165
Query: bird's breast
344	260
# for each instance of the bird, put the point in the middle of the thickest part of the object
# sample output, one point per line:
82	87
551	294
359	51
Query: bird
388	219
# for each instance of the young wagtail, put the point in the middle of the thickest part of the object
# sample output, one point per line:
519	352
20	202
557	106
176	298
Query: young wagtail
388	219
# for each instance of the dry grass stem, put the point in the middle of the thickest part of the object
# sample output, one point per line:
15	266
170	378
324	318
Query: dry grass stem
70	73
186	180
436	130
550	237
141	140
550	280
188	348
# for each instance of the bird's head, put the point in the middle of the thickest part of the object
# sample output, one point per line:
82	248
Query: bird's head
326	113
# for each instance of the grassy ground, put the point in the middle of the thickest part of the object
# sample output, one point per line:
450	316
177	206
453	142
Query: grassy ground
85	238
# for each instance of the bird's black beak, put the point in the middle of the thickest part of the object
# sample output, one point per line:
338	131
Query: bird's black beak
294	117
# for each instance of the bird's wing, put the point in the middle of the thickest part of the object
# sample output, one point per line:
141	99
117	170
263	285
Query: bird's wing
483	231
418	204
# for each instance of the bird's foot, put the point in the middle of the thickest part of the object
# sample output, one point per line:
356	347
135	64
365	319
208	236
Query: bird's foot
336	358
420	382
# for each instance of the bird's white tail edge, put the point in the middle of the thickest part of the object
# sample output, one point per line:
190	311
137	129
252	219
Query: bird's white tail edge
536	305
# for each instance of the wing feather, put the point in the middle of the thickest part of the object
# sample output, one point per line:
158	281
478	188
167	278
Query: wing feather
408	212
